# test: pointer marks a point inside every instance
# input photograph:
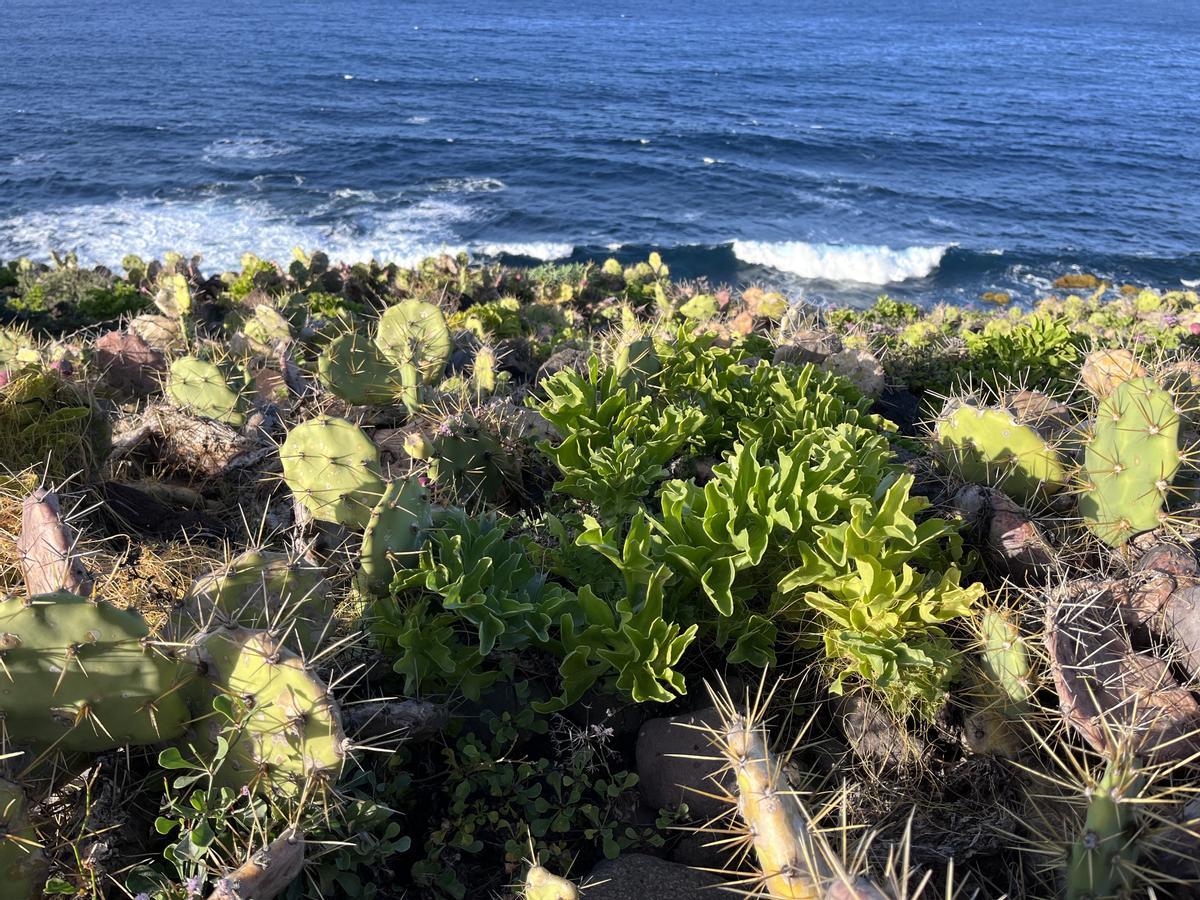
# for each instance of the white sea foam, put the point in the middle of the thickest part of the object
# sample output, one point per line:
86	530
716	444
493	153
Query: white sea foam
861	263
417	120
544	250
468	185
1190	282
223	229
247	148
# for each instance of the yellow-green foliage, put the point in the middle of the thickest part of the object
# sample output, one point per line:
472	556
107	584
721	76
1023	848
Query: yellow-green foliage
47	423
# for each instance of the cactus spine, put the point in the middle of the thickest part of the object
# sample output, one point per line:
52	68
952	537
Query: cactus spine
1130	461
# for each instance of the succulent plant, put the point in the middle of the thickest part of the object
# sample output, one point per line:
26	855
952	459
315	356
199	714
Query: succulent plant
541	884
261	589
1103	859
395	533
199	387
333	469
89	677
1005	658
1130	461
288	729
352	368
22	862
414	332
983	445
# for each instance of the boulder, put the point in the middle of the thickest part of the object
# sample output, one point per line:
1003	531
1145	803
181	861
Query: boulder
669	771
638	876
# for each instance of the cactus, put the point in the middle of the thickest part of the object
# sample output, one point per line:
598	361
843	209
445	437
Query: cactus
80	675
637	360
484	372
1101	861
22	865
469	460
394	535
333	469
1130	461
260	590
1005	659
540	884
199	387
174	297
989	446
351	367
290	728
267	330
415	333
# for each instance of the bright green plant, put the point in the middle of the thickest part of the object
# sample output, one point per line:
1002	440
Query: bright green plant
333	469
1130	461
615	443
199	387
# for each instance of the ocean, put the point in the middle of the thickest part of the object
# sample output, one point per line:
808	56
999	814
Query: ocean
837	148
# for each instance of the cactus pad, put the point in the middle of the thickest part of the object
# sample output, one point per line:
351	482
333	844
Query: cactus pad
333	469
984	445
469	460
291	729
79	675
261	590
1005	658
199	387
1130	461
394	535
415	332
22	866
351	367
1103	370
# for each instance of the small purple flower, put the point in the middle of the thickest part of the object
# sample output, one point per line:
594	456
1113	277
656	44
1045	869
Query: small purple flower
5	377
1195	327
1171	320
142	896
193	886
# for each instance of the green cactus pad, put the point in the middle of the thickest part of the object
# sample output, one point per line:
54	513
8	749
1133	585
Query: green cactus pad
1130	461
267	329
1102	861
469	460
291	729
261	590
984	445
199	387
1005	658
351	367
415	332
22	865
333	469
394	535
79	675
637	360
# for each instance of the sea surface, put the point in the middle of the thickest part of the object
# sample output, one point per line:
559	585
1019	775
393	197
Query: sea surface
840	148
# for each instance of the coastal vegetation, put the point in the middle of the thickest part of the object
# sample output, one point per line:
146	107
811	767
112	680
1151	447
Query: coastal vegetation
464	580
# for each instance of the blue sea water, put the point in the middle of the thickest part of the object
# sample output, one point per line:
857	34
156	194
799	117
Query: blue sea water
930	148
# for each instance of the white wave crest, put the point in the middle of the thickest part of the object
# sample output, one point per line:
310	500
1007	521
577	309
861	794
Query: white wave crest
468	185
861	263
222	230
544	250
247	148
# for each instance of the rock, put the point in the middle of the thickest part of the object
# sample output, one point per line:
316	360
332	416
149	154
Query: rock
161	332
902	406
860	367
875	735
1077	282
128	364
1051	418
807	346
561	360
666	778
638	876
1013	540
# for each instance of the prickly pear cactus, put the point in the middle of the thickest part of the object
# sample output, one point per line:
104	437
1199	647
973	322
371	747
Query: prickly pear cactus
469	460
83	675
267	330
351	367
637	360
395	533
199	387
415	332
1103	370
22	866
1102	860
1130	461
485	372
541	884
984	445
1005	659
289	729
333	469
260	589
